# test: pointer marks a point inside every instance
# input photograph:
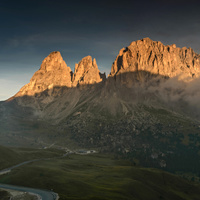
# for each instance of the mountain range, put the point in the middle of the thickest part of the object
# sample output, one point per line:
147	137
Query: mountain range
146	110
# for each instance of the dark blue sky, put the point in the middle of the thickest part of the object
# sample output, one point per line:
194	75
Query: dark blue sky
30	30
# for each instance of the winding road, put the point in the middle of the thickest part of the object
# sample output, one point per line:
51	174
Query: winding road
43	194
7	170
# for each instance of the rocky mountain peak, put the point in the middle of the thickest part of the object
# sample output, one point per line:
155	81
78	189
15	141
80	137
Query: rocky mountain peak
140	60
53	72
53	61
86	72
157	59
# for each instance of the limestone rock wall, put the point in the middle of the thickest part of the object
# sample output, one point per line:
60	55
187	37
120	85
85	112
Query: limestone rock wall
54	73
139	61
86	72
156	58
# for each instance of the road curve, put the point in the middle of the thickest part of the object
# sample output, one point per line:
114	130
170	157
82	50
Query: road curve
27	162
18	165
44	195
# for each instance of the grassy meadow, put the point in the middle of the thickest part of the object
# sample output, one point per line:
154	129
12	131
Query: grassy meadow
12	156
100	176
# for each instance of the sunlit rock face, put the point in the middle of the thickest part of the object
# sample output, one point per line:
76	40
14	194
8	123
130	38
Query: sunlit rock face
86	72
52	73
157	59
140	62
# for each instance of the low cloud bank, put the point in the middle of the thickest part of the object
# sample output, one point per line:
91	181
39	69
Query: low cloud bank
178	94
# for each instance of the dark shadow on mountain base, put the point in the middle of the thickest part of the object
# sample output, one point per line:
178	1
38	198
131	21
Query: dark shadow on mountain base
138	87
140	116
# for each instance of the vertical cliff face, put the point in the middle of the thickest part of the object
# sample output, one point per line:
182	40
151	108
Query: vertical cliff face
52	73
86	72
158	59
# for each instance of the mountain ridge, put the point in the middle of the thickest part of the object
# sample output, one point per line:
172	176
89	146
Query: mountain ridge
156	58
141	55
54	72
137	113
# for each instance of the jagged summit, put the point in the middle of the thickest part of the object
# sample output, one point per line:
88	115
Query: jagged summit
53	62
54	72
141	60
86	72
156	58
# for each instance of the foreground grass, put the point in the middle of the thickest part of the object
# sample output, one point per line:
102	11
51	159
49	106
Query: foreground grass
13	156
4	195
100	176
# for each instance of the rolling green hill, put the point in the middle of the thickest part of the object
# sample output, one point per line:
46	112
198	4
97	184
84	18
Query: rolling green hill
9	157
13	156
100	176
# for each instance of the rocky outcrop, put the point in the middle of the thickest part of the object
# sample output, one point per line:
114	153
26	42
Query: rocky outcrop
53	73
86	72
157	59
